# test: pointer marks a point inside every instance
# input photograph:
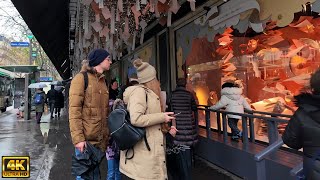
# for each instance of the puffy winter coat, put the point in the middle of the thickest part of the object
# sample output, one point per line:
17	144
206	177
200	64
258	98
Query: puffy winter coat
88	109
303	131
232	99
184	102
145	113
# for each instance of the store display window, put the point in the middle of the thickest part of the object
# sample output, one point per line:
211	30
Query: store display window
272	66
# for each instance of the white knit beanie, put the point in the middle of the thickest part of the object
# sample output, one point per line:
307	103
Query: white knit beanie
145	71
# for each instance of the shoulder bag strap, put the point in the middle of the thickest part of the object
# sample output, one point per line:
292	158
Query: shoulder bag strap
145	135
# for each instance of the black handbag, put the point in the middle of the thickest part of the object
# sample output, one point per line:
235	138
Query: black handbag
122	131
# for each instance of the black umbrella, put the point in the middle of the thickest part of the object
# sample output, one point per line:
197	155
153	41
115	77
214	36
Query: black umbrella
84	163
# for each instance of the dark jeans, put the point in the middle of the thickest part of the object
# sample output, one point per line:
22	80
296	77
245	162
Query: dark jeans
57	110
180	165
38	116
113	170
96	171
51	105
233	124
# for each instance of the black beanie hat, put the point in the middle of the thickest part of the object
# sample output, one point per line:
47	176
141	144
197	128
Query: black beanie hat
229	85
96	57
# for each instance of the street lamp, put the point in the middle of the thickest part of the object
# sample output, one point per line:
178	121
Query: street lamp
30	37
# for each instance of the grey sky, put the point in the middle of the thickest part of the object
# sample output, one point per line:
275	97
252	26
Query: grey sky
11	23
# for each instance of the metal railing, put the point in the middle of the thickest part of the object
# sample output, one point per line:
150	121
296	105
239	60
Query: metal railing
272	120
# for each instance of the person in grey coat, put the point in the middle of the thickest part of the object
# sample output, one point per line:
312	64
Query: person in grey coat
39	100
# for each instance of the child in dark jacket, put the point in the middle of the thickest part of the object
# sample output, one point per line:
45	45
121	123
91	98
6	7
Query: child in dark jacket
232	99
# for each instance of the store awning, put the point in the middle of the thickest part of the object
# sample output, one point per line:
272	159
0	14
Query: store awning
21	68
49	22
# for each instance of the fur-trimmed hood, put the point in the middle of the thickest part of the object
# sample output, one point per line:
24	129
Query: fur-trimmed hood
86	68
233	93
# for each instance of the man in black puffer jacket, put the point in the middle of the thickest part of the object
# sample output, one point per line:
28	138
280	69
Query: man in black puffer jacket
303	130
182	101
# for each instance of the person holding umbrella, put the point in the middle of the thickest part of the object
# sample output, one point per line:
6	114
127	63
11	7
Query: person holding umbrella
39	99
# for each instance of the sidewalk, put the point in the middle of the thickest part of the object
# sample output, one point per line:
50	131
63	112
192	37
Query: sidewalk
50	148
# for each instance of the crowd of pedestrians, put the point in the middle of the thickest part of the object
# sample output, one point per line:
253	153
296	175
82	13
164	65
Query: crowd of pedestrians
170	133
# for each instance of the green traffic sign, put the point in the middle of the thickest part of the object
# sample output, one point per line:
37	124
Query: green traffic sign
34	54
30	36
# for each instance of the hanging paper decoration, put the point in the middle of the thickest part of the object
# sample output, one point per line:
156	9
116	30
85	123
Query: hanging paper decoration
192	5
85	20
111	43
143	25
145	10
112	26
136	14
143	1
174	6
106	13
120	5
128	12
117	16
126	25
96	26
153	5
156	11
95	41
134	40
101	4
138	5
104	31
86	2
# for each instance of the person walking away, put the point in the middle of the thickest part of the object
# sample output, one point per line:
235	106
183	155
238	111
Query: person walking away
232	99
144	105
59	102
182	101
51	95
39	100
88	107
303	129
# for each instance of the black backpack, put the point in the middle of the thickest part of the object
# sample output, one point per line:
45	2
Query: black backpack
122	131
67	86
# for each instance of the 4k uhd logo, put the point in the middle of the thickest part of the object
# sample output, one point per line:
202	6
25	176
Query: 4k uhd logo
15	166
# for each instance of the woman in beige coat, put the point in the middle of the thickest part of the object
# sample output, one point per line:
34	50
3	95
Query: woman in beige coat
144	106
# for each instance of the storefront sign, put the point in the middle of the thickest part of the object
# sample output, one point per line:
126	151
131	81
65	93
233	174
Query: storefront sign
19	44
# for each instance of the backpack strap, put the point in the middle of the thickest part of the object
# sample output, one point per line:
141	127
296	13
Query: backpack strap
86	79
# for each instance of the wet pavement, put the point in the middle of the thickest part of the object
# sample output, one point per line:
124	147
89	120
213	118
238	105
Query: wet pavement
50	148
